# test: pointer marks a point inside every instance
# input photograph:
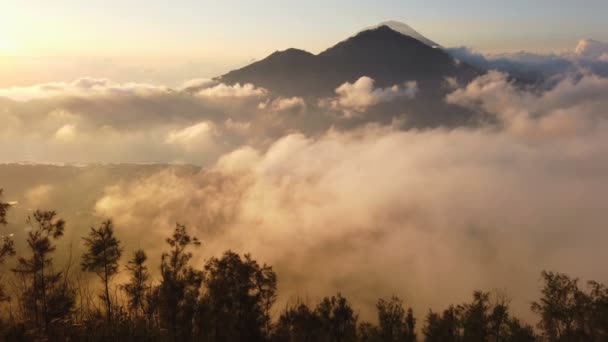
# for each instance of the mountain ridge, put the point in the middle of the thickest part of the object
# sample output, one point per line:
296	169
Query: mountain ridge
387	56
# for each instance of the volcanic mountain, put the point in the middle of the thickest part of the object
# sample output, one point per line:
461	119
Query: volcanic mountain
405	30
382	53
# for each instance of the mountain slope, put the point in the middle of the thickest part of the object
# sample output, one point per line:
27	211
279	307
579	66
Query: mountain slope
382	53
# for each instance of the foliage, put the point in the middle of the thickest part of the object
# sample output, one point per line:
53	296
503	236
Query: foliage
102	254
180	285
480	320
232	296
570	314
239	294
7	245
47	296
138	284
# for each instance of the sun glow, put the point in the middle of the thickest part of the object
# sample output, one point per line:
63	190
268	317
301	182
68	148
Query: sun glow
6	47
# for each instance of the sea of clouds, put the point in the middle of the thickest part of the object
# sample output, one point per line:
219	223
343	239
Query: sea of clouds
370	210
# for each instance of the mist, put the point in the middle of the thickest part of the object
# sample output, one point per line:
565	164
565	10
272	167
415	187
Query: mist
370	210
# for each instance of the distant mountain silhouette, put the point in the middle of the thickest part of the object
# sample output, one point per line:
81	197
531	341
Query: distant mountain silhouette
387	56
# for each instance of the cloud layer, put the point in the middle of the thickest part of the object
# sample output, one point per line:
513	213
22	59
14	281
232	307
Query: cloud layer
97	120
338	199
588	56
377	212
357	97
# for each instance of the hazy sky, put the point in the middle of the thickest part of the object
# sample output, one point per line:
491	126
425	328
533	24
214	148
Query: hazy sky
166	41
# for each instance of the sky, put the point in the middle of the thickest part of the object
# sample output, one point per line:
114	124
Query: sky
165	42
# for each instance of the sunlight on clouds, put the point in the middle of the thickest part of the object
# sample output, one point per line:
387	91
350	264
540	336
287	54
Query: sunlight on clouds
66	133
192	134
357	97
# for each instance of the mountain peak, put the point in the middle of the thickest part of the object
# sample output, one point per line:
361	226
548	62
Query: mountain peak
292	52
382	53
405	30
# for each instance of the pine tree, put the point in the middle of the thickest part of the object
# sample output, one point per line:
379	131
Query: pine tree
3	209
7	246
45	227
338	319
180	284
391	318
102	256
239	296
410	325
137	286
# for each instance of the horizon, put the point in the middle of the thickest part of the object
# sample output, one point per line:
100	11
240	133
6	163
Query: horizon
176	43
173	172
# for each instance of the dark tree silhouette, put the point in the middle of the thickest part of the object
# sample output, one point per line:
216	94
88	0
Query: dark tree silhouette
393	323
239	295
569	313
45	227
3	209
442	327
180	284
410	324
474	317
231	300
298	324
367	332
481	320
338	320
101	257
138	283
598	311
7	245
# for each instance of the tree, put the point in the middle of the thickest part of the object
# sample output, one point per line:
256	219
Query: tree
442	327
558	306
568	313
136	287
45	227
101	257
368	332
239	296
3	209
298	323
180	284
7	246
518	332
410	326
338	319
474	317
484	319
391	319
598	311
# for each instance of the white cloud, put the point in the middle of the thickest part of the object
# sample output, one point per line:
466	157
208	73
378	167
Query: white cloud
222	91
239	127
361	95
38	195
439	203
80	87
572	107
197	84
188	136
587	55
241	160
66	133
473	206
593	49
284	104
